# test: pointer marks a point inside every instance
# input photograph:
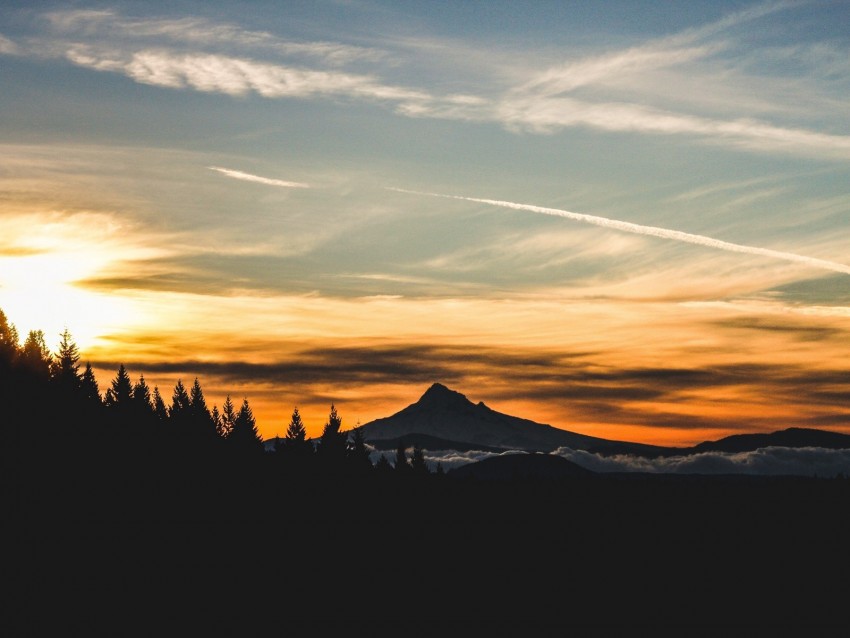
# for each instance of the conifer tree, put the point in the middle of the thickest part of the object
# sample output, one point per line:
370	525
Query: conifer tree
66	366
142	402
358	453
180	402
244	434
218	424
332	444
383	465
8	341
159	409
401	464
296	431
417	461
121	391
89	387
200	417
34	354
228	417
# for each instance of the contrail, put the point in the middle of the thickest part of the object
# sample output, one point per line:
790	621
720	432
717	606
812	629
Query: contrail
653	231
256	178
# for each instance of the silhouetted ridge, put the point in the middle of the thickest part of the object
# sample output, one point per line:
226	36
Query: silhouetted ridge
521	466
790	437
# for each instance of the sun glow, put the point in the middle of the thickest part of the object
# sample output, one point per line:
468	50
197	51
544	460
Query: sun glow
39	270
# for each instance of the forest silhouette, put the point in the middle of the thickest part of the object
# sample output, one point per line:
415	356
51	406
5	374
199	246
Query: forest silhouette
120	494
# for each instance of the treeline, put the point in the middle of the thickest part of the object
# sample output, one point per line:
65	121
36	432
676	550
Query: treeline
59	405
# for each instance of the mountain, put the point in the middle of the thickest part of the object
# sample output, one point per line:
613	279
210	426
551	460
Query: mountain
790	437
531	465
447	415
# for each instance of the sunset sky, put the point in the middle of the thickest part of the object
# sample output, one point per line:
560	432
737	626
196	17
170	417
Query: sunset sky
646	235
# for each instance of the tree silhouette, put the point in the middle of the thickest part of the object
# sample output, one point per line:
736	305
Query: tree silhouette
401	464
218	425
358	453
142	397
89	387
159	409
417	461
181	404
66	366
383	465
199	414
296	431
333	443
35	356
295	448
245	437
8	341
228	417
121	391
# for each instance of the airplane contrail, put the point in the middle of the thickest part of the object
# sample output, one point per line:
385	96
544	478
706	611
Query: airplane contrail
653	231
248	177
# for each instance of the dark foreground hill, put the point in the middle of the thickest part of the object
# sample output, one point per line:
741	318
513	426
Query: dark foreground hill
520	466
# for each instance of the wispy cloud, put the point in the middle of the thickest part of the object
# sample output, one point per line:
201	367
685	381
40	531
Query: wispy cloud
248	177
768	461
200	31
653	231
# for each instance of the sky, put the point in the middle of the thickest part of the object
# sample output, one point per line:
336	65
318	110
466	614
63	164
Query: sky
625	219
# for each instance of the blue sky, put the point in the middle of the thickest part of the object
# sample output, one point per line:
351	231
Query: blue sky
216	180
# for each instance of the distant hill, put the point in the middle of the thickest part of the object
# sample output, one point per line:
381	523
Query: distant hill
520	465
447	415
790	437
432	443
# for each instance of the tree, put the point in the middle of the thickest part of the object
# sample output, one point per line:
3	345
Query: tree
401	464
199	414
358	453
89	387
34	354
181	404
66	366
121	391
228	417
159	409
417	461
218	424
142	403
332	443
296	431
8	341
244	435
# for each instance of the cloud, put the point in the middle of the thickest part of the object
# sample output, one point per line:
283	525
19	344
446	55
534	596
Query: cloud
256	178
768	461
200	31
653	231
7	47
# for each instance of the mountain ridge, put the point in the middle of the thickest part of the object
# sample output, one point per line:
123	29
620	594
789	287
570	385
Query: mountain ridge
443	418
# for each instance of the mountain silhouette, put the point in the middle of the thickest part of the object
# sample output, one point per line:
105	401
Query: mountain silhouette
448	415
790	437
444	419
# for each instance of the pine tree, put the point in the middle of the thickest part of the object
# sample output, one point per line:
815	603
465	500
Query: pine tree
200	417
417	461
180	402
358	453
159	409
34	354
142	402
228	417
332	443
401	464
121	391
296	431
218	425
89	387
8	341
66	366
244	434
